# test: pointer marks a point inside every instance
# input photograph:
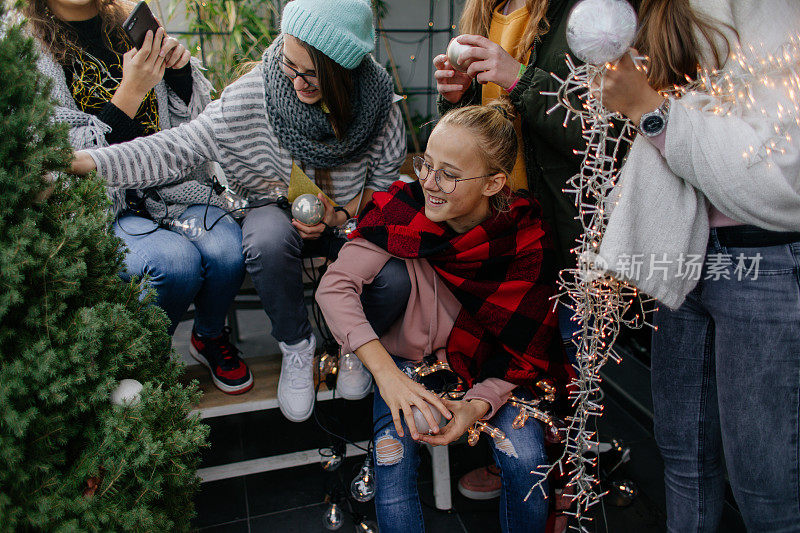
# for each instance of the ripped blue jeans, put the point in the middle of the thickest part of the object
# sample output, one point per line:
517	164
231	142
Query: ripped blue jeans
397	460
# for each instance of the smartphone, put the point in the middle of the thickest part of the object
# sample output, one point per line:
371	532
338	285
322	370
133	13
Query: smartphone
138	22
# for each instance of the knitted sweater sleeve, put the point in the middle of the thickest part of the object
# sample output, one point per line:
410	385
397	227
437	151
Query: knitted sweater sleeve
706	150
391	150
160	158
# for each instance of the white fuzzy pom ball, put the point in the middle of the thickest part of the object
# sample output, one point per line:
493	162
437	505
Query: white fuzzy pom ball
127	393
601	31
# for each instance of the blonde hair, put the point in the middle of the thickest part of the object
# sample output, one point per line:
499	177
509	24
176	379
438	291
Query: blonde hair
477	18
493	128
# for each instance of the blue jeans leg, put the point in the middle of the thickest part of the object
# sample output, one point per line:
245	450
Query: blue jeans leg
396	464
686	416
171	261
222	264
569	332
742	340
519	454
273	255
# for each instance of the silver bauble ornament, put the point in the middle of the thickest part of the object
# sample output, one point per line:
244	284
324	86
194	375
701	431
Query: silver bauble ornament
601	31
127	393
308	209
454	50
422	423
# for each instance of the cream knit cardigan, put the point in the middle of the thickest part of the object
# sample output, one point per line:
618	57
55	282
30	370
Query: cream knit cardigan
659	208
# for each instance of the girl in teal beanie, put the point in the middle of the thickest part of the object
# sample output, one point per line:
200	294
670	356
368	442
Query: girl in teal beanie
319	100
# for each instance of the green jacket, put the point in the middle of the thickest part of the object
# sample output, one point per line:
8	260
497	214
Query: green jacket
549	157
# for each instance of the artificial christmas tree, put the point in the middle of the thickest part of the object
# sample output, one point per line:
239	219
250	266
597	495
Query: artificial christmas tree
70	331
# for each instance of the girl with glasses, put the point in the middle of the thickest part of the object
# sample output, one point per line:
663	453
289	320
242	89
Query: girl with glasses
319	100
516	46
482	273
109	93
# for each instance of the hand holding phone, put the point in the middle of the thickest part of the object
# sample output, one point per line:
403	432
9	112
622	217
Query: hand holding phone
142	69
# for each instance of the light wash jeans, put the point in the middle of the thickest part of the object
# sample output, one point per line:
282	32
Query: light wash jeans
397	499
726	376
207	271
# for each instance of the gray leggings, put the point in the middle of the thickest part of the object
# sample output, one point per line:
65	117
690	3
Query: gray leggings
273	252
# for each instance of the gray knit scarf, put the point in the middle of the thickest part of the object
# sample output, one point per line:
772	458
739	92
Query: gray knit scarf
304	129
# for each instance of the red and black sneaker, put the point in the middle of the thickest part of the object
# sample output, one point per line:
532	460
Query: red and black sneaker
229	372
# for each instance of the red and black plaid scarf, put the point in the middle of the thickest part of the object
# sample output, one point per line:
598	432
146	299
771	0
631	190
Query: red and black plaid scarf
503	274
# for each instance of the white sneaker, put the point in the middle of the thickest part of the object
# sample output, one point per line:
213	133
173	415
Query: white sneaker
354	381
296	384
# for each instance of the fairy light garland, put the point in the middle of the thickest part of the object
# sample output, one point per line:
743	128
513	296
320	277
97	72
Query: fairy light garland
597	300
600	301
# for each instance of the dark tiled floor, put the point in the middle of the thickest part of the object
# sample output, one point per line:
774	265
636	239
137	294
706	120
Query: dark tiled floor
292	500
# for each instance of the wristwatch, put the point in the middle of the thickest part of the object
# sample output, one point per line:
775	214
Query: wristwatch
654	122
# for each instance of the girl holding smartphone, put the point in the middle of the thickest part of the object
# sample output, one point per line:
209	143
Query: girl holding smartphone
318	100
110	94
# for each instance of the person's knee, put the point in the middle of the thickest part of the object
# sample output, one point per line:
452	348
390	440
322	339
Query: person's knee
393	281
178	268
269	234
388	450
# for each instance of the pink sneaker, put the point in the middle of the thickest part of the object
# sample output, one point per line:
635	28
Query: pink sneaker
481	484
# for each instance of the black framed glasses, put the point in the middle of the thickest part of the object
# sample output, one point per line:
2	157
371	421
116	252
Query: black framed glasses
293	73
445	181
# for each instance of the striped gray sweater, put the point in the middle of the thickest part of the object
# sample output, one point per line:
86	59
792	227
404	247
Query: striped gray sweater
236	132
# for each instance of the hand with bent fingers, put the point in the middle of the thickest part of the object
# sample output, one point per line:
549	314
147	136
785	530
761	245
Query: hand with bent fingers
174	53
332	218
400	392
450	83
626	89
465	414
489	62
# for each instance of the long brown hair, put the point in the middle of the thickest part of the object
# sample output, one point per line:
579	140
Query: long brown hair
335	86
56	36
477	17
673	35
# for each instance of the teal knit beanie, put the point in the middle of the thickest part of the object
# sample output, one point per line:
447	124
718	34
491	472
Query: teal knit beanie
340	29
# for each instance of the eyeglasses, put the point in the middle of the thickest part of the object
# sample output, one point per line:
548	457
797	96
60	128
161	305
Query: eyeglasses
294	73
444	181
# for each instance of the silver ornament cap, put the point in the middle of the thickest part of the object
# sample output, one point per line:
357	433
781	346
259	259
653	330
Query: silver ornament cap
308	209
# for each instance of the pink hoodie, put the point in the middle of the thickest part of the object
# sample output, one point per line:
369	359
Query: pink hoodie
422	330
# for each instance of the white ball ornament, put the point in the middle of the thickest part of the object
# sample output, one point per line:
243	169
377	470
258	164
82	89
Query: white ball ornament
308	209
454	50
422	423
601	31
127	393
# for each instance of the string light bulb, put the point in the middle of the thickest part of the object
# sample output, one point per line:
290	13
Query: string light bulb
191	228
333	518
362	488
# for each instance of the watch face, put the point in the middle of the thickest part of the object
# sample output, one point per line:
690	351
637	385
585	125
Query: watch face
652	124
